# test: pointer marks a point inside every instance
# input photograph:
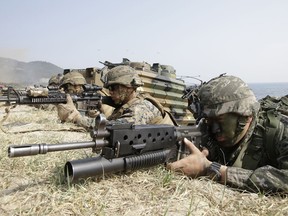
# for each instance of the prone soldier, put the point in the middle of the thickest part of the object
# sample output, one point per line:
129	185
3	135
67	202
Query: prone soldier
246	146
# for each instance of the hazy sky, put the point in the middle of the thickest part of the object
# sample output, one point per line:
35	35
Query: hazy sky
246	38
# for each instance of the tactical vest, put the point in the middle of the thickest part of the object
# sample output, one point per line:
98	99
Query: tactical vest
261	149
165	118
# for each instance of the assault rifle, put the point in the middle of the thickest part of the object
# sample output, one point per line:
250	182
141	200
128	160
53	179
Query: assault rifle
121	147
53	95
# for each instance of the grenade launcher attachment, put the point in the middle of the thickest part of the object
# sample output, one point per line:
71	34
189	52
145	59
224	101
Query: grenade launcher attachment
120	147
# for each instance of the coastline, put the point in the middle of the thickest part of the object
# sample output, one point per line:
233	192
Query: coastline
261	90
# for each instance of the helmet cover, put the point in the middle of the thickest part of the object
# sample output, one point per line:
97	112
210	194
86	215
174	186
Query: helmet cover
227	94
124	75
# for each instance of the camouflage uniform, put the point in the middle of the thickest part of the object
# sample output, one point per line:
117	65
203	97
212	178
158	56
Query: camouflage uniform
70	80
260	161
142	109
55	80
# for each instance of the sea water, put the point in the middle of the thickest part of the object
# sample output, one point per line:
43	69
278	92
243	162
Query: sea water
261	90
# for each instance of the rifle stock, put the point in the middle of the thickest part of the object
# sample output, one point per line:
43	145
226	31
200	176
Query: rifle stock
122	147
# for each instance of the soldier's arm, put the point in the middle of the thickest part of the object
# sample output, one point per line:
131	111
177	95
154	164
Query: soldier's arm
263	179
85	122
138	113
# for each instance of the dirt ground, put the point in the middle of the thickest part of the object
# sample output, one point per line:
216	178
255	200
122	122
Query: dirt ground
36	185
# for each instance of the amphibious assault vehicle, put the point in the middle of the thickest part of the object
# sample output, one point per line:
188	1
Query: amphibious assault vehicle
159	81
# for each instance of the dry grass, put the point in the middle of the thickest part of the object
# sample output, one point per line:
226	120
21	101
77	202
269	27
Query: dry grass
36	185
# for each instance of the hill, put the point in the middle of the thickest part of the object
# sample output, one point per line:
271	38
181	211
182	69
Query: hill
36	72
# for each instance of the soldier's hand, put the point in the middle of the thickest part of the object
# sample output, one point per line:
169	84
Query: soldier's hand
193	165
93	113
67	112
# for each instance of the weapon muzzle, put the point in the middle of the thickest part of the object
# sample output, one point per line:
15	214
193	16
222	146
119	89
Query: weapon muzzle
27	150
35	149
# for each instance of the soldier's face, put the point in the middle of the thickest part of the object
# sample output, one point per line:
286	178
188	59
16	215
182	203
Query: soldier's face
119	93
74	89
224	128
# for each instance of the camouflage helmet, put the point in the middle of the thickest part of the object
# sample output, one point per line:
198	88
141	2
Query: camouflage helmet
55	79
226	94
73	78
124	75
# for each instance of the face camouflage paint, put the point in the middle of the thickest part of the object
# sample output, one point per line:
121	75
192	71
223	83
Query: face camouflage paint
226	128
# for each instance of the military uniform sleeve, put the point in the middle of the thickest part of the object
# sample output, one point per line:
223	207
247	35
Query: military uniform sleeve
264	179
139	113
267	178
86	122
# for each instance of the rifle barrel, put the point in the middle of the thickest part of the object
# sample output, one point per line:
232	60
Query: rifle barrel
5	99
35	149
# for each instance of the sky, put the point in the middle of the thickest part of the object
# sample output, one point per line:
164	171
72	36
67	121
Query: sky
201	39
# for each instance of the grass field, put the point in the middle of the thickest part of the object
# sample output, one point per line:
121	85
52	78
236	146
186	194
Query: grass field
35	185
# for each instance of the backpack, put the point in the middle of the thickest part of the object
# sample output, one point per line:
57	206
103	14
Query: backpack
280	104
273	110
